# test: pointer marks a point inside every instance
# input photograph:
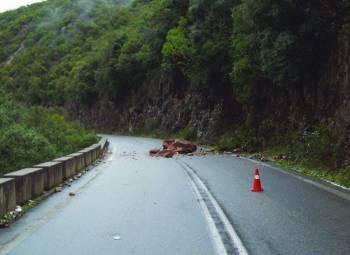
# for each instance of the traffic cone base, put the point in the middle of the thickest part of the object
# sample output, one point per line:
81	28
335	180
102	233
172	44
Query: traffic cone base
257	187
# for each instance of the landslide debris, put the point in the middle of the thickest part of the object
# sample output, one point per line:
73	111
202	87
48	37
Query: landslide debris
172	147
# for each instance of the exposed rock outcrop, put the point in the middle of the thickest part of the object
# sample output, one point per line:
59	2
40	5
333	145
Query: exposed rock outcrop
159	106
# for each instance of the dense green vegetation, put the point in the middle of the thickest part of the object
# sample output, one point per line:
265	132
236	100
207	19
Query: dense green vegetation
265	59
33	135
78	50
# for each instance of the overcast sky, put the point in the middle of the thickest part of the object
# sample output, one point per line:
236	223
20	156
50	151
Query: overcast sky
13	4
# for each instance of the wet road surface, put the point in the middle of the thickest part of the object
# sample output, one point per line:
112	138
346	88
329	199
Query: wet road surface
134	204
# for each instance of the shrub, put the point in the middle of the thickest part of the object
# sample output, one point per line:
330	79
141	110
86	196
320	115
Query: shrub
22	147
243	138
30	135
186	133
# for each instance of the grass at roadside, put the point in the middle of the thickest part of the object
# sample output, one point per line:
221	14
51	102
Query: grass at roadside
12	216
341	177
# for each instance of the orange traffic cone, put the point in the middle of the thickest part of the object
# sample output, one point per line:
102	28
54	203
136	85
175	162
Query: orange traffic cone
256	184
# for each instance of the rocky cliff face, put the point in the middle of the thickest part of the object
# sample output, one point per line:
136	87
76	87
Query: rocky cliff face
163	104
339	75
166	103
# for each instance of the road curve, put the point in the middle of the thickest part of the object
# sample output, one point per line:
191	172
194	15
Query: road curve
134	204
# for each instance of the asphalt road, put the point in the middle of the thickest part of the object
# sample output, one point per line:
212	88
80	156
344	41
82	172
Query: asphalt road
134	204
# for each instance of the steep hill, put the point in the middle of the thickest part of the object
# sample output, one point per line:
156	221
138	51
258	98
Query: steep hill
249	74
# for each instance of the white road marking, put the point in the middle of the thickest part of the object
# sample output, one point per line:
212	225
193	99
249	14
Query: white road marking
220	247
197	185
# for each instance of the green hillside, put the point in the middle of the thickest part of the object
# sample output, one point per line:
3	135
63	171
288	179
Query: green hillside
255	75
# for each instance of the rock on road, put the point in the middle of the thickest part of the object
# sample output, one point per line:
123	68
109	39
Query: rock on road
134	204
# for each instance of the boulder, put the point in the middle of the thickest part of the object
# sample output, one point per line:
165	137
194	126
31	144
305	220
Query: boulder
172	147
154	152
184	147
167	153
168	144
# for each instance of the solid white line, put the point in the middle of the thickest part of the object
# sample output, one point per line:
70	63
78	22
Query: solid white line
231	231
219	245
228	226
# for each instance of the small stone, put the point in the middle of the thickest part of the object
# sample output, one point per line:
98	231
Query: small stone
154	152
72	194
58	189
263	159
237	150
18	209
116	237
5	225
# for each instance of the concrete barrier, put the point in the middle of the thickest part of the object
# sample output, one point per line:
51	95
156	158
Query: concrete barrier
79	161
20	186
95	151
98	150
7	195
87	152
53	174
100	145
29	183
69	166
103	144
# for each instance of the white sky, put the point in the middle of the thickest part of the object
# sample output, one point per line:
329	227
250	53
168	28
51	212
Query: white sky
13	4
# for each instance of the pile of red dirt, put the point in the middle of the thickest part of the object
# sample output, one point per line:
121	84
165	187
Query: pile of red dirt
172	147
